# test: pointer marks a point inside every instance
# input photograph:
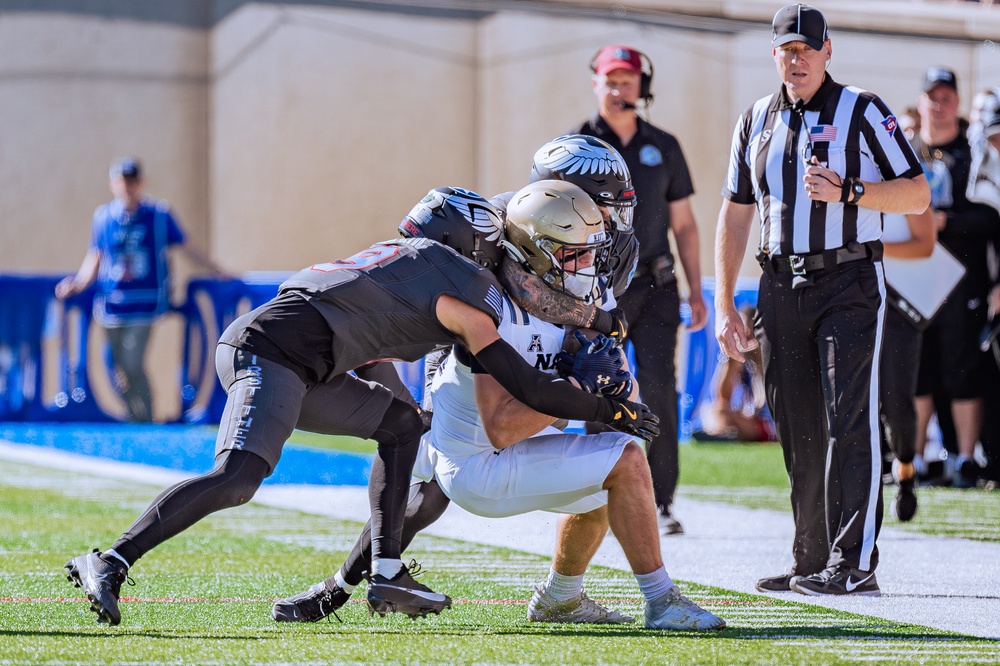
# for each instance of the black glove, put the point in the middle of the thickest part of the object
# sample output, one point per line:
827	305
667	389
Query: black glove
597	367
611	323
634	418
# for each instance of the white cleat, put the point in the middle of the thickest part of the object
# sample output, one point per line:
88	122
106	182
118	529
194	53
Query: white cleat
675	611
580	609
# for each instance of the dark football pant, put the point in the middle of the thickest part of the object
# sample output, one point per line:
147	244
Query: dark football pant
266	402
653	315
820	349
427	503
898	384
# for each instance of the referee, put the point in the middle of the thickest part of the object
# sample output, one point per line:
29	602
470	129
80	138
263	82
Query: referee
819	163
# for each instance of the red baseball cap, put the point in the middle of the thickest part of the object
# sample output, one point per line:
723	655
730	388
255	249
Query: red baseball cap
617	57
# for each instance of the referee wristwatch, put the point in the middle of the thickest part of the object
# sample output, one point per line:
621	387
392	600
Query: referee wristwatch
854	189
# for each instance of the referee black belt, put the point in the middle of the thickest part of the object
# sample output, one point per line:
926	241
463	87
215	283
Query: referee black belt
800	264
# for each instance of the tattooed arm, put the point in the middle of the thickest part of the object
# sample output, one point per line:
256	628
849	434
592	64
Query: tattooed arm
528	291
531	293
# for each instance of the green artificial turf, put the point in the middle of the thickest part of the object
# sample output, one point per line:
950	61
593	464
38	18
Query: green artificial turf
205	597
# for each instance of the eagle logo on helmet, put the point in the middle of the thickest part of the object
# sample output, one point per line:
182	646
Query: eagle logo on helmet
470	205
584	159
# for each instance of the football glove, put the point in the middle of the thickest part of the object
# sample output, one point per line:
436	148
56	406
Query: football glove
634	418
597	367
612	323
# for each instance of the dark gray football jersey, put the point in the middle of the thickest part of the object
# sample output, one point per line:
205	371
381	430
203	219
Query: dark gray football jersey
381	303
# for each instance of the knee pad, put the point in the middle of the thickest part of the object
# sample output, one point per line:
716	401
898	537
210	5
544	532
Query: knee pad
401	426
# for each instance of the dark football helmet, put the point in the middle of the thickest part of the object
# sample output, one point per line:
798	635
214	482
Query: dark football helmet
460	219
595	167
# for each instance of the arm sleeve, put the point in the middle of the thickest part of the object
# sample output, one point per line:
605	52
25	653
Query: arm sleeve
542	392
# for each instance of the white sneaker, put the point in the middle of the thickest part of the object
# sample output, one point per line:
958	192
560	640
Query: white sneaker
580	609
675	611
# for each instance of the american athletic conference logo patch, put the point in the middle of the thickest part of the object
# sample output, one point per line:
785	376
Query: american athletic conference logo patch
890	125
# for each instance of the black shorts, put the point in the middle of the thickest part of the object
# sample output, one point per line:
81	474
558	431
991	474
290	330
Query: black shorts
267	401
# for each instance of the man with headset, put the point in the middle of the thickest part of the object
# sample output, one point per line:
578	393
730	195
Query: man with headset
622	80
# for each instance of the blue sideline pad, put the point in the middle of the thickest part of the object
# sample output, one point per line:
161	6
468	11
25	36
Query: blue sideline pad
187	448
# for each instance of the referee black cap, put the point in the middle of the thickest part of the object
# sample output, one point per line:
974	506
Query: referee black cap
799	23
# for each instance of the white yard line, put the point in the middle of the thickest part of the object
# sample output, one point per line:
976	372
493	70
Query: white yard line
951	584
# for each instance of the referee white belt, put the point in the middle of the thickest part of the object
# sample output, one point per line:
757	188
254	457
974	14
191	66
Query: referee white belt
800	264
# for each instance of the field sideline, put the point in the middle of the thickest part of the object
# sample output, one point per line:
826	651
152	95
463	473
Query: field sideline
224	619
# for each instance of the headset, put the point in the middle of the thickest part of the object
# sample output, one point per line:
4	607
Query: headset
645	77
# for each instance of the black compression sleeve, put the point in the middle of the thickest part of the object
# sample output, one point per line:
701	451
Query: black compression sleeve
542	392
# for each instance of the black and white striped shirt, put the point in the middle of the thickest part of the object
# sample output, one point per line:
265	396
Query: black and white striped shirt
850	130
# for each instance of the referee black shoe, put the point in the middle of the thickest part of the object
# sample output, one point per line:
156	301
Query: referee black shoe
838	580
402	594
779	583
314	604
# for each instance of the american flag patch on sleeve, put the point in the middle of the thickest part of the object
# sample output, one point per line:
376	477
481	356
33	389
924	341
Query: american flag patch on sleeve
823	133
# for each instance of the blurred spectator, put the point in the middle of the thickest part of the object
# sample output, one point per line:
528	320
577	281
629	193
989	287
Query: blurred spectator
909	122
984	187
904	237
127	258
951	362
738	411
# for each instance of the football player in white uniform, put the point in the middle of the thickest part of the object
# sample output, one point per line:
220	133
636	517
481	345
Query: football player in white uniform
494	456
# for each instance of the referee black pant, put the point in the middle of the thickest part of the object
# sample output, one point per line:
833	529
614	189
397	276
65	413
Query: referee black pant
821	347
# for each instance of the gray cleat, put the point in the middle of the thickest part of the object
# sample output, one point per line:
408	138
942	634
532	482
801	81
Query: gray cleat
101	580
580	609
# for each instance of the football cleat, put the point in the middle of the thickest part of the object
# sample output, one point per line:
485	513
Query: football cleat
779	583
669	526
675	611
101	580
581	609
838	580
402	594
310	606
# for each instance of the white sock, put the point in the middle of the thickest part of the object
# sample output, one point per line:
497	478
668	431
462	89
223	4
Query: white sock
919	465
113	553
562	588
386	567
342	584
655	584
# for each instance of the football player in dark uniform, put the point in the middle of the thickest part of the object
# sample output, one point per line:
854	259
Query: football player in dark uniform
286	365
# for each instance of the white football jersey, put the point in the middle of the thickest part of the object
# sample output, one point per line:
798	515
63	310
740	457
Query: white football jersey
457	430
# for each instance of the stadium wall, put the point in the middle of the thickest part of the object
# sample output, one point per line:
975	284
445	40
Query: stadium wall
285	133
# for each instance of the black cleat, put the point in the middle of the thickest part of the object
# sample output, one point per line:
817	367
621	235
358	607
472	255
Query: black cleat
101	580
402	594
779	583
904	507
838	580
314	604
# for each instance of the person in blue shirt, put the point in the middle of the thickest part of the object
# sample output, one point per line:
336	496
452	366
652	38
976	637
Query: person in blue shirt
127	258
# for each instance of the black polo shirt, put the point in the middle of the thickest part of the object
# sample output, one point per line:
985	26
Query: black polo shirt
659	174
